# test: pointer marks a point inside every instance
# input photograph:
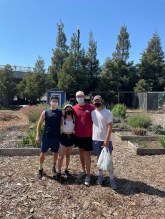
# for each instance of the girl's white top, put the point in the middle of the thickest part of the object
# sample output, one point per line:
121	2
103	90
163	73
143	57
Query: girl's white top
69	126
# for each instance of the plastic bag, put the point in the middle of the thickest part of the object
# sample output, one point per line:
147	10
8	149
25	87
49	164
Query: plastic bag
105	162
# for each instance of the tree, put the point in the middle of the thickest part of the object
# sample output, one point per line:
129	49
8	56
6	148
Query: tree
60	54
152	67
142	86
8	86
93	63
123	45
34	85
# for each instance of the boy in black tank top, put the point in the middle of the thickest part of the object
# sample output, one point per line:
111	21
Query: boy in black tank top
51	135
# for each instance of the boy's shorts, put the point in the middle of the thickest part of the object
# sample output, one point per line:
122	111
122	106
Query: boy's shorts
52	143
84	143
97	147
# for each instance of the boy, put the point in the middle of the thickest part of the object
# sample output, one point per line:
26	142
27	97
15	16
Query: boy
102	128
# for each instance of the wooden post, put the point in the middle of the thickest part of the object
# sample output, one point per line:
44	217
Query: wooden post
118	97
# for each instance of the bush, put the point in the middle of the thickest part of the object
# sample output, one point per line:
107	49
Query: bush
32	134
139	131
117	119
139	120
34	112
120	125
162	141
119	110
1	106
158	129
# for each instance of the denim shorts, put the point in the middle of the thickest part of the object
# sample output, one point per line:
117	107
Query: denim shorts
52	143
98	146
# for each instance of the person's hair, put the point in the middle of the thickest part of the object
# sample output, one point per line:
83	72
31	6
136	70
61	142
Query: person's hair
53	97
73	117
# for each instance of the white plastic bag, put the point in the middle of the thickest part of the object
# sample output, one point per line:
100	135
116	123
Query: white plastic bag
105	162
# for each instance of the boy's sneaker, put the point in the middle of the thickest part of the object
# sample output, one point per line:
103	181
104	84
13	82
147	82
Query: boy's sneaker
99	180
58	178
87	181
113	184
67	174
40	173
54	173
81	174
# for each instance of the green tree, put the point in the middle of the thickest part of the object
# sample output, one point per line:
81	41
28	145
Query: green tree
152	66
142	86
34	85
123	45
93	63
8	86
60	53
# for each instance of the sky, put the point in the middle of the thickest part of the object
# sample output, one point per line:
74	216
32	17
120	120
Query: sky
28	28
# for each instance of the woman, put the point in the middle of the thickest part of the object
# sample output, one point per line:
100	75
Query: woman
66	142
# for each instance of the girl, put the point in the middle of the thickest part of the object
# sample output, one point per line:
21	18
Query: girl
66	142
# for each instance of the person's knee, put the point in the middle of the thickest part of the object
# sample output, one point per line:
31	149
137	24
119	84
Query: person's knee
42	154
61	157
81	151
87	154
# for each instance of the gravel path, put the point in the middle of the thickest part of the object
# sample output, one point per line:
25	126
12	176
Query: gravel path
140	193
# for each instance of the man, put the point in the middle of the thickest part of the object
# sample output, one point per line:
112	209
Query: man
51	135
102	129
83	134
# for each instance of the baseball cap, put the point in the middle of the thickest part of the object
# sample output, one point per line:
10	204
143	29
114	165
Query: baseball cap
98	97
79	93
67	105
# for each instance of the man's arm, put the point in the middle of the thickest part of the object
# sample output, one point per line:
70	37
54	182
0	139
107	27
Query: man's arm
41	120
109	131
61	122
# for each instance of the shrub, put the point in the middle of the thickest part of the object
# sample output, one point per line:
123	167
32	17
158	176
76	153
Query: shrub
32	134
119	110
33	112
138	131
145	144
162	141
120	125
139	120
117	119
1	106
158	129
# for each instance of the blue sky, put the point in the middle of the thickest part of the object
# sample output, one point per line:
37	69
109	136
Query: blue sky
28	27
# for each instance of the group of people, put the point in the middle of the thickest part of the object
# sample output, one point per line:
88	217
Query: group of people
87	126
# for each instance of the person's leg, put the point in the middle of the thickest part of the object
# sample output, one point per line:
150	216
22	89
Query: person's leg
62	151
88	162
68	153
54	149
82	158
44	148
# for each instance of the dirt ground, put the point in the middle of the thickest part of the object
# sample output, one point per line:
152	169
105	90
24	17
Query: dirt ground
140	193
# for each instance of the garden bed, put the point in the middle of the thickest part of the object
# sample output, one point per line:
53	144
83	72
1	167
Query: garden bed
146	147
129	136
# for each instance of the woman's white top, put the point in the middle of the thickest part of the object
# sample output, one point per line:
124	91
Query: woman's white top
68	126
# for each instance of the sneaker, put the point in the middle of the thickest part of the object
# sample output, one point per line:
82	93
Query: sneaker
113	184
99	180
58	178
87	181
40	173
54	173
67	174
81	174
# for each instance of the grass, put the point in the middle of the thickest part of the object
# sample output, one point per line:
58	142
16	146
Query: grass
121	133
145	144
162	141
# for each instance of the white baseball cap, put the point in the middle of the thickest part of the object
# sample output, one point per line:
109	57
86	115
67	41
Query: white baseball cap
79	93
67	105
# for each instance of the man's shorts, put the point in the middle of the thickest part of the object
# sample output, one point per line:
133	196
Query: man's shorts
97	147
67	140
52	143
84	143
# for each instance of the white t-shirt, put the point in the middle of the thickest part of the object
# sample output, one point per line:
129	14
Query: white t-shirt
100	124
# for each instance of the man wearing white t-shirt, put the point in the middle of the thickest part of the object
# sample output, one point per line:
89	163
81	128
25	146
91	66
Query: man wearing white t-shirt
102	128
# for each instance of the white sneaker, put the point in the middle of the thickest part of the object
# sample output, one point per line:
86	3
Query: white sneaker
87	181
113	184
81	174
99	180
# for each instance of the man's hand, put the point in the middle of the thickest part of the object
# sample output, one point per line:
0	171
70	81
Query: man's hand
106	144
38	139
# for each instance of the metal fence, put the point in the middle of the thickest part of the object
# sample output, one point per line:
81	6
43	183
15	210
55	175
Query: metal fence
21	68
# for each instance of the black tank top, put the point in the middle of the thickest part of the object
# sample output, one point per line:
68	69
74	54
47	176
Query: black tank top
52	123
